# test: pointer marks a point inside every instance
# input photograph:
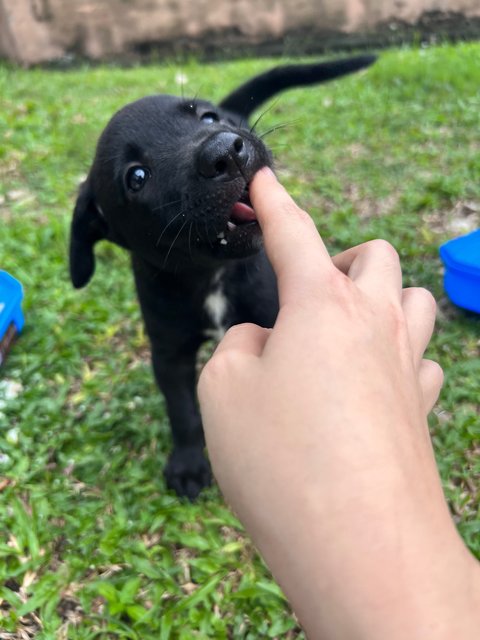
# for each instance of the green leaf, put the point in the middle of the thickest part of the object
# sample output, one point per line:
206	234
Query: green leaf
108	591
199	595
136	612
130	590
166	625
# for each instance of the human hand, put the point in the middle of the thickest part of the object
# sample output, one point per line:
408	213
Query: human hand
317	434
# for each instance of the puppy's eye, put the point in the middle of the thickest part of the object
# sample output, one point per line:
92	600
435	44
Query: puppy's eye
136	177
209	117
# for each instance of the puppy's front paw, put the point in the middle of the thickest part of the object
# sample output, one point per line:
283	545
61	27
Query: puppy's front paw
188	472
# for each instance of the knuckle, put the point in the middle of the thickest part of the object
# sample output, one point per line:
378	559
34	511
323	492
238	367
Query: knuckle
305	217
422	297
428	300
384	248
236	330
214	371
224	362
435	371
291	209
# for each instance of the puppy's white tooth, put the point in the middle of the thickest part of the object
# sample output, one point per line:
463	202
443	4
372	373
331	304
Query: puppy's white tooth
223	241
231	225
221	235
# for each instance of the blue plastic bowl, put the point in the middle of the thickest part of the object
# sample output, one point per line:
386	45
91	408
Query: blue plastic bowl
461	258
11	295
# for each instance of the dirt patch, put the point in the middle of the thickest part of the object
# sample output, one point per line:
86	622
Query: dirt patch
462	218
367	208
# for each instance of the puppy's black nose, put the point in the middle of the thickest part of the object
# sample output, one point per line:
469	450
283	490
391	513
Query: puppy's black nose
222	156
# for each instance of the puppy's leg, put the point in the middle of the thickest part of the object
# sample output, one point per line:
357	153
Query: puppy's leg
187	471
175	340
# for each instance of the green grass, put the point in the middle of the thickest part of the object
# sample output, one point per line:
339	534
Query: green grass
91	544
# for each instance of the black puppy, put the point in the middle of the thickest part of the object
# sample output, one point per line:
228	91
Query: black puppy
170	183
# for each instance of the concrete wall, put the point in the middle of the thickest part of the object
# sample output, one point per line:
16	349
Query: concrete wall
34	31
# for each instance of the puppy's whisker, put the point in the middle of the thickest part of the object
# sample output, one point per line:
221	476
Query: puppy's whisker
242	173
173	242
277	147
215	229
181	212
206	234
190	240
111	158
264	112
166	204
275	128
199	235
182	85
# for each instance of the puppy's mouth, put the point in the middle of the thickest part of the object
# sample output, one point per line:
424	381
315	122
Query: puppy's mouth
242	212
242	218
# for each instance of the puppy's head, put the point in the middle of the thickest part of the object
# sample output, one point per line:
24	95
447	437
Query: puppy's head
170	177
169	182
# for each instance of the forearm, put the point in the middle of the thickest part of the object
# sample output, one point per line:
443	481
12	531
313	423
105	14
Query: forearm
403	574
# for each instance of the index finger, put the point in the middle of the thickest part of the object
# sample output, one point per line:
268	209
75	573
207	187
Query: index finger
293	244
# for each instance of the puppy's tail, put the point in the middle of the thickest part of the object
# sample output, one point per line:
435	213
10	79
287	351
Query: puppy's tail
244	100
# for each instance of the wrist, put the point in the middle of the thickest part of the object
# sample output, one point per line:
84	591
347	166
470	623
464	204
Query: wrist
405	574
432	596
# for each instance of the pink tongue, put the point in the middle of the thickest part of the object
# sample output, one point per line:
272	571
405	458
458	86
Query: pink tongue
241	212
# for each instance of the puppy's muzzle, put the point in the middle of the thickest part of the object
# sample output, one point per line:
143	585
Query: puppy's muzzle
223	157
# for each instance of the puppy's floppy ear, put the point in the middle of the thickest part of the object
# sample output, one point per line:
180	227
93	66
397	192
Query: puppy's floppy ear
88	226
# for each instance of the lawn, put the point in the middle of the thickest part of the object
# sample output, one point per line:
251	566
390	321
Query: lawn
91	544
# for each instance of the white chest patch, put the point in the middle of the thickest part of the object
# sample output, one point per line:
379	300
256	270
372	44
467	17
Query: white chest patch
215	306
